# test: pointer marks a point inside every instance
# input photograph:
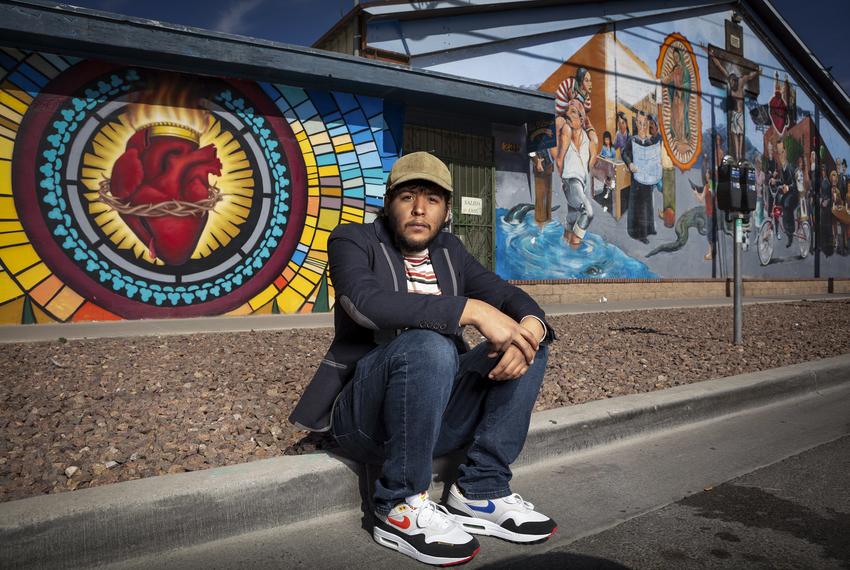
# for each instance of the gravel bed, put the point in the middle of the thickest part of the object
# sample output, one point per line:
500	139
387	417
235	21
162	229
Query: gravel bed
76	414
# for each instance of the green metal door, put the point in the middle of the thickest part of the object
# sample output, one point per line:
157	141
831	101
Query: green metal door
470	159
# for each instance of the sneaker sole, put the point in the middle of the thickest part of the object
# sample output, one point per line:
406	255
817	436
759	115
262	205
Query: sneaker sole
474	525
395	542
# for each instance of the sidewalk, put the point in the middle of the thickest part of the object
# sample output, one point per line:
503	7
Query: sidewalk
148	327
151	516
627	487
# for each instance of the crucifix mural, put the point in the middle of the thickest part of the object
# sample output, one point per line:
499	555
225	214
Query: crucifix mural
727	68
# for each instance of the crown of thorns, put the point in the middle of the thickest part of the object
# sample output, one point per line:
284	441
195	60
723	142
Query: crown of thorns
179	208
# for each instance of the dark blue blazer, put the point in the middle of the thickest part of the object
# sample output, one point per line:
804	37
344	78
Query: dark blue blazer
373	305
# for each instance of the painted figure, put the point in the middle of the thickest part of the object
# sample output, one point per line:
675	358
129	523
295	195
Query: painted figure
782	182
801	179
839	209
735	88
708	203
398	386
643	158
608	151
826	239
578	87
838	206
573	159
679	88
719	152
758	165
623	134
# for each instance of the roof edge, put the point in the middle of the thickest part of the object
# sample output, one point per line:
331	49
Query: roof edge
39	25
791	49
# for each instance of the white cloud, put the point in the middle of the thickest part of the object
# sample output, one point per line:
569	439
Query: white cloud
233	20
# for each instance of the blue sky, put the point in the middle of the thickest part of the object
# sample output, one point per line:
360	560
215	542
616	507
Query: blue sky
822	24
297	22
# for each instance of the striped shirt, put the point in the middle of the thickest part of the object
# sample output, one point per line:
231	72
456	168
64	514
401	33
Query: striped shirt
420	275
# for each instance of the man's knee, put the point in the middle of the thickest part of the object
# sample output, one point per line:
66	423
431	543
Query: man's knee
429	350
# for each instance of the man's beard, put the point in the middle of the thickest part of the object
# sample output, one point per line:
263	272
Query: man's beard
407	245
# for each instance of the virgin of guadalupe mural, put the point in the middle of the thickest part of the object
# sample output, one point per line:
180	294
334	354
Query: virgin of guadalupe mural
680	106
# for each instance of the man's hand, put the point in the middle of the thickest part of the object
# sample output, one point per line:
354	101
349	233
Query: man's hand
512	365
501	331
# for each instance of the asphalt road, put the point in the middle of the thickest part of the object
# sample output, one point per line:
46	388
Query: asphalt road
777	480
792	514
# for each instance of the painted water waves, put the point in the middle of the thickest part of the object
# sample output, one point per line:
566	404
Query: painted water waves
528	250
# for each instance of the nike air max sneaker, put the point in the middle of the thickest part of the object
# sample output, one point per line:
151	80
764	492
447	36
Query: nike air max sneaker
424	530
509	518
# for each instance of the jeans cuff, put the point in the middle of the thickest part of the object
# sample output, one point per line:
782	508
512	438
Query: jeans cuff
483	495
382	510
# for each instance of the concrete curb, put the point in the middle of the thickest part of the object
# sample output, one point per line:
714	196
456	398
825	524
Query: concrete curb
224	324
152	327
115	522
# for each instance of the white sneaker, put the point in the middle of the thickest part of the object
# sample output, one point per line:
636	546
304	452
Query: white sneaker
509	518
425	531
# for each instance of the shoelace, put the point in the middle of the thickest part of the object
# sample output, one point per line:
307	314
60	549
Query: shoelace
428	511
517	499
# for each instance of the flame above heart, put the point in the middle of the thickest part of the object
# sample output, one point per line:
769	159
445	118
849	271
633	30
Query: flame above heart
170	103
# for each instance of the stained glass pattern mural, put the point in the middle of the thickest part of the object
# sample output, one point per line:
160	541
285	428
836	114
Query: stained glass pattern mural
132	193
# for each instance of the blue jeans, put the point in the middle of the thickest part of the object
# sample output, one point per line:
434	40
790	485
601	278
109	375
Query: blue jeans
416	398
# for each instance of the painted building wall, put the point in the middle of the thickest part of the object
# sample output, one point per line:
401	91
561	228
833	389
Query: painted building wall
131	193
679	73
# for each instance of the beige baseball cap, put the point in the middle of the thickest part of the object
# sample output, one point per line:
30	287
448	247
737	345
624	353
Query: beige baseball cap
420	166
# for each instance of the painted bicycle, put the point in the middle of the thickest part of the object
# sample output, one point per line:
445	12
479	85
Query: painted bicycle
771	230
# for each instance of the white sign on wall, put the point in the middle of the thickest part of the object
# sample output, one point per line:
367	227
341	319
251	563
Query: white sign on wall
472	206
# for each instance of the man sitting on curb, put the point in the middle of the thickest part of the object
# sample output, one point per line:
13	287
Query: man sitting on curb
399	387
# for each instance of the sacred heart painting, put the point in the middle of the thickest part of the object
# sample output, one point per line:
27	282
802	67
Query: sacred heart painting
157	194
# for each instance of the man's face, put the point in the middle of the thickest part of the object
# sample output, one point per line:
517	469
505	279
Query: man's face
416	213
642	125
780	150
573	117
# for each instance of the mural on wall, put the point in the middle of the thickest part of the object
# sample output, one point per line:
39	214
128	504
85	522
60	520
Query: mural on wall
621	181
133	193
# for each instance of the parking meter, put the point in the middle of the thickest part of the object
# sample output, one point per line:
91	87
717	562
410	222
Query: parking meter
748	186
729	185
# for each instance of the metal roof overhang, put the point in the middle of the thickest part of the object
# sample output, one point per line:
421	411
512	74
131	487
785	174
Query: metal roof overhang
46	26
